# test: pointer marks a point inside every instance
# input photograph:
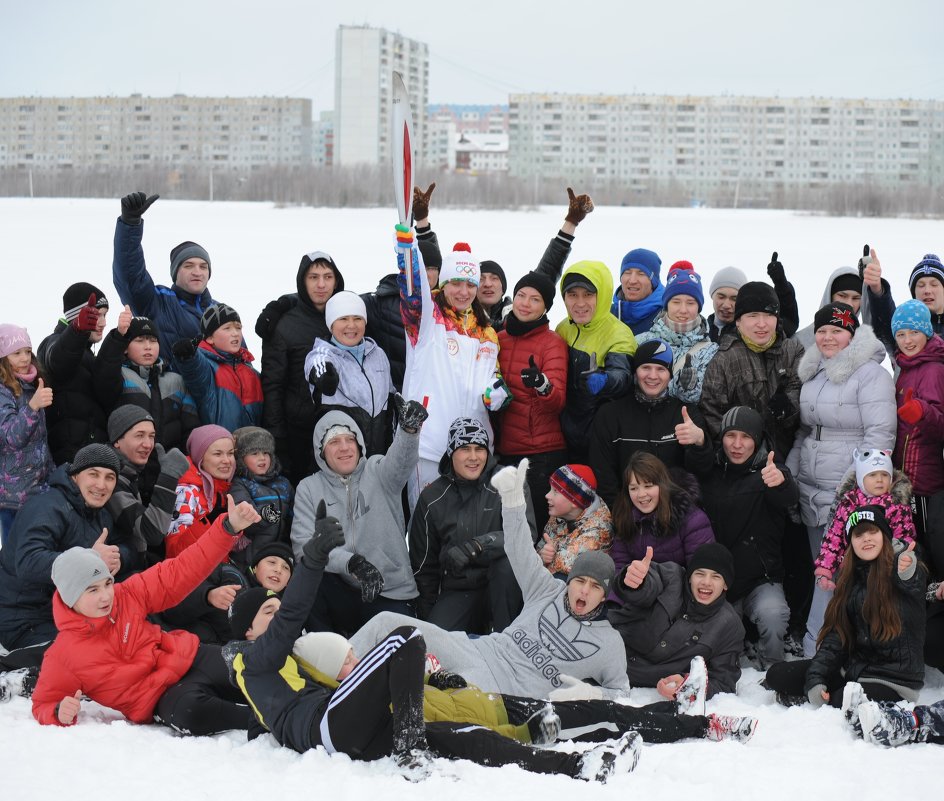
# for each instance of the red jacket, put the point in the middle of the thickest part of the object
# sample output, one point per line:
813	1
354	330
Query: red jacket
123	661
197	496
531	423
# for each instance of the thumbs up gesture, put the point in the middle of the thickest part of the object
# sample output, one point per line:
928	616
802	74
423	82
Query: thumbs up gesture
687	433
42	397
109	553
771	474
911	410
637	571
68	708
870	268
124	320
531	376
547	550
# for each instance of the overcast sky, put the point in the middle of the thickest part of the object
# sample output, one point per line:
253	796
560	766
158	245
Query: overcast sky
479	51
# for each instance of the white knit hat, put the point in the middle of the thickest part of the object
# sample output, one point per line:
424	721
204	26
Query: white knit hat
323	650
344	304
459	265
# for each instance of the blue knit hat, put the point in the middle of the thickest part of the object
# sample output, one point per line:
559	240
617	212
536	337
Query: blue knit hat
646	260
912	315
655	351
683	280
929	267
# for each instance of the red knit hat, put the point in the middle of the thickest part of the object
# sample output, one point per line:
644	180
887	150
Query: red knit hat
577	483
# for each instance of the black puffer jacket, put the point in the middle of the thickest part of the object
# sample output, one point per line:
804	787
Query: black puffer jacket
449	512
385	326
898	662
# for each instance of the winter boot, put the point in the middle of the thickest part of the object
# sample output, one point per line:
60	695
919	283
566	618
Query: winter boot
730	727
20	683
604	761
852	696
415	764
544	726
887	724
691	694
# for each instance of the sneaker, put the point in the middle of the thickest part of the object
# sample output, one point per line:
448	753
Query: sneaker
852	696
414	764
691	694
607	760
18	683
544	726
887	725
730	727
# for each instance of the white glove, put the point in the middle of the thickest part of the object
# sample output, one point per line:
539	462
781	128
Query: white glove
575	690
509	481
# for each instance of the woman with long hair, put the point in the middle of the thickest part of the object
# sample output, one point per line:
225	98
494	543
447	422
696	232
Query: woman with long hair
873	631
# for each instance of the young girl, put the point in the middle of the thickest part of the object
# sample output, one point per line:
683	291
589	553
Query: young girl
25	461
873	632
652	510
452	358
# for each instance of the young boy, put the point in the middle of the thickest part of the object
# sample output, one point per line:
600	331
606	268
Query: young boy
259	480
219	373
579	519
271	566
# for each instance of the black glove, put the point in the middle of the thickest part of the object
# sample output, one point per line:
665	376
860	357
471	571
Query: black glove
368	576
134	205
185	349
532	377
444	680
457	558
325	379
864	261
688	375
775	270
780	405
421	201
412	413
328	536
269	317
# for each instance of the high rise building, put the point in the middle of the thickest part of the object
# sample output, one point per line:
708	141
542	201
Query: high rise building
365	60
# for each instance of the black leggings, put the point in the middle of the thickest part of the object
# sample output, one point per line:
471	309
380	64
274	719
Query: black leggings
204	701
789	678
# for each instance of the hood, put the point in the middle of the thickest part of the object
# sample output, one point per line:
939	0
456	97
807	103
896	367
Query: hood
67	619
865	313
300	278
901	491
598	274
387	286
863	348
933	352
335	418
158	368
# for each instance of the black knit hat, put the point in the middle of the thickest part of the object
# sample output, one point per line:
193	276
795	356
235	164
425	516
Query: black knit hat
184	251
95	455
840	315
655	351
141	327
756	296
744	418
494	268
846	282
540	282
77	296
713	556
432	256
124	418
245	607
872	514
215	316
466	431
279	549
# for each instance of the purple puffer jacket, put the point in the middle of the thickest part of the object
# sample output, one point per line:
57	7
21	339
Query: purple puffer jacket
25	461
918	448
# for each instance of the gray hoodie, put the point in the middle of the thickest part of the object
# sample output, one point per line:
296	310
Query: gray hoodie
367	503
806	336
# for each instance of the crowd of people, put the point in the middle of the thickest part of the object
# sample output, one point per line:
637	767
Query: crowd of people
431	524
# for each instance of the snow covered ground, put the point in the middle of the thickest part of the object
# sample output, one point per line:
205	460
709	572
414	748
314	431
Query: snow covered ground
255	248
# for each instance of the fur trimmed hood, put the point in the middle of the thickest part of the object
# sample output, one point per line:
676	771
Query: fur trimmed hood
901	490
863	348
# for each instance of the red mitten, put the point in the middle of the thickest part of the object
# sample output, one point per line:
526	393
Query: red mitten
911	411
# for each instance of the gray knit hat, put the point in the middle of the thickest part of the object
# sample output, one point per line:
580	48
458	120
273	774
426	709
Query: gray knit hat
184	251
252	439
75	570
730	277
124	418
95	455
596	565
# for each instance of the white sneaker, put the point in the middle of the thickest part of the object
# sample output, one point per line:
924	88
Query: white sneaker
887	725
691	694
601	763
852	696
730	727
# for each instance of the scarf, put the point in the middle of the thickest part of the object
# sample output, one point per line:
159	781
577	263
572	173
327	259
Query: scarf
29	376
516	328
357	351
753	346
634	312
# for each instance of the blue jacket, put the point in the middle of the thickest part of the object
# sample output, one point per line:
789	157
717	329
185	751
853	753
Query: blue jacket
176	313
227	390
47	525
25	461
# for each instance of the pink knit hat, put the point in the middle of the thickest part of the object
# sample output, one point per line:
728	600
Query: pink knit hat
12	338
202	438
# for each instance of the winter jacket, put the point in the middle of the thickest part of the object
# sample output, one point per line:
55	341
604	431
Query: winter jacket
385	326
689	528
272	496
897	505
737	376
846	402
749	518
175	312
531	422
636	423
226	388
25	461
47	525
123	661
602	344
542	644
592	531
664	628
289	411
158	390
367	502
451	360
77	416
691	353
918	447
639	315
363	391
897	663
449	512
200	500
